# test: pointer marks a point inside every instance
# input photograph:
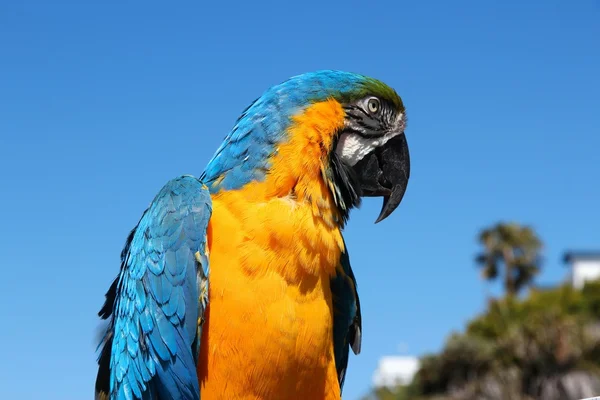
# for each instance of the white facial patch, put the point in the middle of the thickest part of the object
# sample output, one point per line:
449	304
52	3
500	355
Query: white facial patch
352	148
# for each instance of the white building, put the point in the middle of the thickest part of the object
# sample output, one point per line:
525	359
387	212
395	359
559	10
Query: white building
395	370
585	266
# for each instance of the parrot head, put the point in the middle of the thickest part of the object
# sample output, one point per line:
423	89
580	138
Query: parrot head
321	135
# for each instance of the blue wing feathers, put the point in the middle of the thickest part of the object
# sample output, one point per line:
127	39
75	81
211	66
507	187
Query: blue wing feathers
148	348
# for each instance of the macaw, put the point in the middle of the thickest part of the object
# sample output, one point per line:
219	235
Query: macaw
237	284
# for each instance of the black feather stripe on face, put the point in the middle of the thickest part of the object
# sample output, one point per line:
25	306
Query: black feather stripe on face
362	124
345	185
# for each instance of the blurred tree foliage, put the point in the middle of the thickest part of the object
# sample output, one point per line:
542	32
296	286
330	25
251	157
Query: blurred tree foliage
515	250
544	346
398	393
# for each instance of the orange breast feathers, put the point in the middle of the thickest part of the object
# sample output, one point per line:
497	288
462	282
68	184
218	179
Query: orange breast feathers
273	249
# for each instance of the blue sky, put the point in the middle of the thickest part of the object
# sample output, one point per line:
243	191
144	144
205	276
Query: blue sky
102	102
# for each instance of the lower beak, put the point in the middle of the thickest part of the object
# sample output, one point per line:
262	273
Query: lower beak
385	172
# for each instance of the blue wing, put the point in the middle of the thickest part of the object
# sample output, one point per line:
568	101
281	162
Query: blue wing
347	324
156	305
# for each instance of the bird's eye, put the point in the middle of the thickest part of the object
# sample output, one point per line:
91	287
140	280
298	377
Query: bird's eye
373	105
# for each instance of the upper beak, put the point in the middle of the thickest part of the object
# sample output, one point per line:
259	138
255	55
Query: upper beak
385	172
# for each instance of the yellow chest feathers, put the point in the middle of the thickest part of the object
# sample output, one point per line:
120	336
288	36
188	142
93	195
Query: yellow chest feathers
270	306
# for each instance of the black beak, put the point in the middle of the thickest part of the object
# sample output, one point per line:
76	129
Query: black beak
385	172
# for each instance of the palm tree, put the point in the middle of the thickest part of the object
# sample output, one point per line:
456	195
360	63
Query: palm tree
515	247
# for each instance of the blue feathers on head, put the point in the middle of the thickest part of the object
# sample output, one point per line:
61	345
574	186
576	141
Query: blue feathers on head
244	155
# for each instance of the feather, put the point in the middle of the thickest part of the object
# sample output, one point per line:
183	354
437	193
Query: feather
149	349
347	322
